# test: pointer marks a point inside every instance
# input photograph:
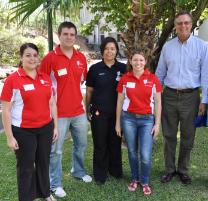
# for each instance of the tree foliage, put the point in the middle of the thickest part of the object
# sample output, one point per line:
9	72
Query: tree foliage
11	38
23	9
144	24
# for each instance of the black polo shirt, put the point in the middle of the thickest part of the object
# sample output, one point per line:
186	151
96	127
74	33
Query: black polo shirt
104	81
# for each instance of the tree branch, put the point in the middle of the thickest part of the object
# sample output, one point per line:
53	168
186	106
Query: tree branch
202	4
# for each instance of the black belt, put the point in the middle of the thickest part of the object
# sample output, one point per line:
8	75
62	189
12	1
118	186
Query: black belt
189	90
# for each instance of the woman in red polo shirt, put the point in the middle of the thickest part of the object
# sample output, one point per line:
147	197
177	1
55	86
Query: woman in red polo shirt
28	106
139	110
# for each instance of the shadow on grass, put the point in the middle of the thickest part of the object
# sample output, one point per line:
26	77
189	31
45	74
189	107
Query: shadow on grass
116	190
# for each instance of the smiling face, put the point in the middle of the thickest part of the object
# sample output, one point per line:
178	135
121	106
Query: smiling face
110	52
183	25
30	59
67	37
138	62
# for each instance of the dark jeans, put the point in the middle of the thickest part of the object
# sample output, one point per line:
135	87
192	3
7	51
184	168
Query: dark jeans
33	161
178	109
107	147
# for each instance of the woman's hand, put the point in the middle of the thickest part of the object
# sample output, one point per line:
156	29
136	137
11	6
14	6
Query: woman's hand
88	113
155	131
118	129
55	135
120	100
12	143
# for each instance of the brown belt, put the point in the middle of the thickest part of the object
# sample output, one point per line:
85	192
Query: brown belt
189	90
139	115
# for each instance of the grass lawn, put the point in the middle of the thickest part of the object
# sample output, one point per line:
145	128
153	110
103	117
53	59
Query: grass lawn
116	190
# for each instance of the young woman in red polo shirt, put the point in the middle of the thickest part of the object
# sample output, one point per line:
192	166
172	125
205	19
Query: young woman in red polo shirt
27	107
139	110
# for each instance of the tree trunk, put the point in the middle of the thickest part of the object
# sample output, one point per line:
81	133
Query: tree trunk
50	28
142	33
202	4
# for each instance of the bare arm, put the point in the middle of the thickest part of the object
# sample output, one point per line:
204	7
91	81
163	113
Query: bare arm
120	100
6	119
158	108
89	92
53	109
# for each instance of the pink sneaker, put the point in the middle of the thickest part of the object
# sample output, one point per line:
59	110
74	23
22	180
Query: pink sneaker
133	186
146	189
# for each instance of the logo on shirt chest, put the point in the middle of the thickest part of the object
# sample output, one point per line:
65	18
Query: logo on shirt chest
44	82
100	74
148	83
80	64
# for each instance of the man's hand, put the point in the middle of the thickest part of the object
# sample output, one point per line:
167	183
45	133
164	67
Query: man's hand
55	135
155	131
202	108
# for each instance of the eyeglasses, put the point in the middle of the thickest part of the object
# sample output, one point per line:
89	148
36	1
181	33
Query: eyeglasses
185	23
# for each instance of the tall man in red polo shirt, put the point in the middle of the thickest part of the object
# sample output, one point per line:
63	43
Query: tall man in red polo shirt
67	68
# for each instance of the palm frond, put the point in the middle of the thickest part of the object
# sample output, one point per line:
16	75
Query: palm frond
24	8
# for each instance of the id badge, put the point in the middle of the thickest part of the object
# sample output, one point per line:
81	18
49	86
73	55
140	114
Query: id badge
131	85
118	77
62	71
28	87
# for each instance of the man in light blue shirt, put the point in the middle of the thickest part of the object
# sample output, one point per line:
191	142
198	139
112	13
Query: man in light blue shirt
182	69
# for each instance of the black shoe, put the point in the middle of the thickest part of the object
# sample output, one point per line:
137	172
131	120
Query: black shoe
185	179
167	177
100	183
116	176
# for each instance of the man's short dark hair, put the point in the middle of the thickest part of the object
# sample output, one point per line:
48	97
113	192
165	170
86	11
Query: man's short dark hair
183	12
105	42
68	25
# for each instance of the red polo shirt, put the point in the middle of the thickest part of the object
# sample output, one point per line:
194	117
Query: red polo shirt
29	97
139	93
66	75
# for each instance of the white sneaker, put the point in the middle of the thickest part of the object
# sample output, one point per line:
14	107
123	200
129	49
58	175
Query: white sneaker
72	170
59	192
87	178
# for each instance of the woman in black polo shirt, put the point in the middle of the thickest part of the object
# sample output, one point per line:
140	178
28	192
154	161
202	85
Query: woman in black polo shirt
101	98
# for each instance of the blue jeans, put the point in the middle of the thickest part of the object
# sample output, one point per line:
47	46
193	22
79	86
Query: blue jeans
78	126
137	133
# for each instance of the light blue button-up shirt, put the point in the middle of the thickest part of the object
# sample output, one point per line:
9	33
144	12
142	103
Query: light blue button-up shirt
184	65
